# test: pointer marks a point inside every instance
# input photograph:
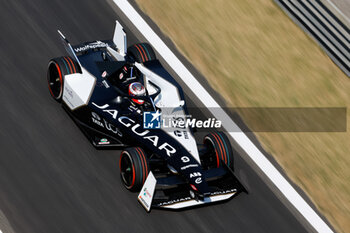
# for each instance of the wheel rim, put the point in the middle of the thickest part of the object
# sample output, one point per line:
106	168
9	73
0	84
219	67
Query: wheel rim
127	171
55	80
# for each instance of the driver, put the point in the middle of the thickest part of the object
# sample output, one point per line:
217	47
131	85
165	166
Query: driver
129	80
137	89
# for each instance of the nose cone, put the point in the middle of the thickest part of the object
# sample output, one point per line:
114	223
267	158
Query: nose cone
189	168
199	184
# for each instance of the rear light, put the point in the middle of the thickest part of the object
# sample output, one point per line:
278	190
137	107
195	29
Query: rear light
193	187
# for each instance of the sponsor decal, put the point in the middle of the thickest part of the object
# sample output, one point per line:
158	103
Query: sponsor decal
96	116
103	141
189	198
194	188
113	112
185	159
151	120
69	103
96	119
181	134
146	193
99	123
69	92
105	83
195	174
94	45
198	180
188	166
135	128
174	201
112	128
128	79
99	84
104	74
223	192
143	201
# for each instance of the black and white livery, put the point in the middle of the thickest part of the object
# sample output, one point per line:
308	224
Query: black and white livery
107	88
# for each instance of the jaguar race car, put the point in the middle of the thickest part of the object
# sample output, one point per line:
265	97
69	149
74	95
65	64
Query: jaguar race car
118	97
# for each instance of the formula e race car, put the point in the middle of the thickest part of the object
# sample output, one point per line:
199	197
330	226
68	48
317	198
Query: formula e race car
118	96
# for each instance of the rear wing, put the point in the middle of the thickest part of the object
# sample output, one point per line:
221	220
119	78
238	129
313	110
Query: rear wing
68	47
119	38
117	47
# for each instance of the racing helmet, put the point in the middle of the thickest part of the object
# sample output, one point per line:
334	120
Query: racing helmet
137	89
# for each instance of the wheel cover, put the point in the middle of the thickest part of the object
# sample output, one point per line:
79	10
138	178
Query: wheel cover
55	80
212	150
127	170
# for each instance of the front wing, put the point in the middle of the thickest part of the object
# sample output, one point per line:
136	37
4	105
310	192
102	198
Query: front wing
174	193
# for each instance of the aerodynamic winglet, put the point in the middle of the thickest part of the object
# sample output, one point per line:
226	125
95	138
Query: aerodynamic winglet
147	192
68	46
119	38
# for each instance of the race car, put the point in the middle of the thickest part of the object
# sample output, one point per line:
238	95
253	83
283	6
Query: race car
118	97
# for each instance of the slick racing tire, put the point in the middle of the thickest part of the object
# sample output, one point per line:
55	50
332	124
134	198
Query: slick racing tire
134	168
219	149
57	69
141	53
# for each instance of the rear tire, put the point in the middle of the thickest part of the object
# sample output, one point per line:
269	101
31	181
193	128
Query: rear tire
134	168
141	52
219	149
57	69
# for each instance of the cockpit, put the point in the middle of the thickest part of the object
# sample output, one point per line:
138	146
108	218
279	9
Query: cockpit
129	82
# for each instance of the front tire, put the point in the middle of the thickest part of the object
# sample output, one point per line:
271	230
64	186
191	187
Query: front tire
134	168
219	149
57	69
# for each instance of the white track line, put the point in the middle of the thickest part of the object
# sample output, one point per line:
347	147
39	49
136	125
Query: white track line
247	145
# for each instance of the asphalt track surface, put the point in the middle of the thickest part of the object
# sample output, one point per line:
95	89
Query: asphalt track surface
53	180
